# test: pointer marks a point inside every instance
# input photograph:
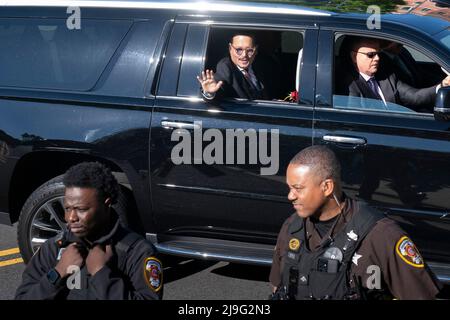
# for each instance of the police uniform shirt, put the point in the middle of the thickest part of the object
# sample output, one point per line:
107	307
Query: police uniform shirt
404	274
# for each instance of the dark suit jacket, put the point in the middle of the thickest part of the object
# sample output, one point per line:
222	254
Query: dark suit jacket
236	86
421	74
394	90
390	63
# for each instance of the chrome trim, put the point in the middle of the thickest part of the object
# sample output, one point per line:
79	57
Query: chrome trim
443	279
201	6
189	99
204	255
262	103
179	125
375	112
241	259
444	110
409	211
441	270
225	193
50	148
251	25
343	139
152	237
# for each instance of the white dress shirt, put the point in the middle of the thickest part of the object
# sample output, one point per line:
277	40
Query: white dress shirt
366	78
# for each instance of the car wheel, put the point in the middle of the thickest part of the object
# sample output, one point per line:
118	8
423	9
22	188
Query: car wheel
42	216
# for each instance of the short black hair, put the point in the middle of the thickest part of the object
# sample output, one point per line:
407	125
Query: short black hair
93	175
322	160
244	33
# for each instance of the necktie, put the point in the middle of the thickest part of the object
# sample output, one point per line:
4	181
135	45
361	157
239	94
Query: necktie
373	85
255	89
251	80
248	77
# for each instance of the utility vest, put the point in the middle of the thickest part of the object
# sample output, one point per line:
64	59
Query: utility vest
324	274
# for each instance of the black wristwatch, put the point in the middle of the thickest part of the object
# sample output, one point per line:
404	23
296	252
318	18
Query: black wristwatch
53	276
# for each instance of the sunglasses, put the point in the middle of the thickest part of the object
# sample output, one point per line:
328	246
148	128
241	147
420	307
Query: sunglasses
239	51
370	55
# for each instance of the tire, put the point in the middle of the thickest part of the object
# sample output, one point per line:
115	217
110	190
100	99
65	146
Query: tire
42	216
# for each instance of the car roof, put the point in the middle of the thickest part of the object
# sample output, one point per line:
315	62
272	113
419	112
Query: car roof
196	5
426	24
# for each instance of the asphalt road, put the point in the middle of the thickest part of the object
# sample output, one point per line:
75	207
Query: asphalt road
185	279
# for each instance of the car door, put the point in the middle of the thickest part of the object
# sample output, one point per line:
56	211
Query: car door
228	200
395	159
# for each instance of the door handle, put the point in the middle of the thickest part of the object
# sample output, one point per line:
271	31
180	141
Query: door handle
179	125
445	216
344	139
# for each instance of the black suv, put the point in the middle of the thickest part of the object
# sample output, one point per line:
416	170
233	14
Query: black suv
117	84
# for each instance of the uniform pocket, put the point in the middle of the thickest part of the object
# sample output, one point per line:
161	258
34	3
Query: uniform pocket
324	285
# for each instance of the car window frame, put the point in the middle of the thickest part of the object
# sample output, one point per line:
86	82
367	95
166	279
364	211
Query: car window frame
272	27
332	34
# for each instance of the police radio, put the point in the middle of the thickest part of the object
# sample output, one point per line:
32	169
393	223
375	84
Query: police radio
330	261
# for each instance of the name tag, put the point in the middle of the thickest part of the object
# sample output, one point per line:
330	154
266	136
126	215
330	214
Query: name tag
292	255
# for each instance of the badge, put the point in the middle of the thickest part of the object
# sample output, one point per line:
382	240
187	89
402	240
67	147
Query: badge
355	258
153	273
294	244
352	235
303	280
407	250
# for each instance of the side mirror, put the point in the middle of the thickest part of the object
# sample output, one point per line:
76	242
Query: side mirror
442	104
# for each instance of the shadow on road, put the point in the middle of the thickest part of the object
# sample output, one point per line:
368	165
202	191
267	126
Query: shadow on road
244	271
176	268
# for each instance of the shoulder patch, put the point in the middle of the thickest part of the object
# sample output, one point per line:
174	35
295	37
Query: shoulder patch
153	273
407	250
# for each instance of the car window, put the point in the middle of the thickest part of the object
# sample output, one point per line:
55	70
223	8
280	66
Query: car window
278	59
349	102
397	79
44	53
418	56
445	39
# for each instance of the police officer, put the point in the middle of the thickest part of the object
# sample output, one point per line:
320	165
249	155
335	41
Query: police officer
334	247
95	257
